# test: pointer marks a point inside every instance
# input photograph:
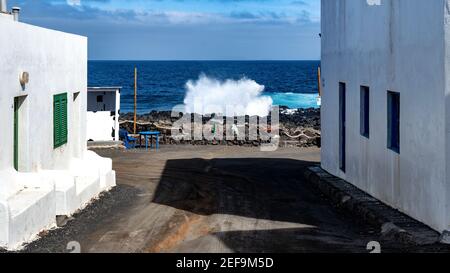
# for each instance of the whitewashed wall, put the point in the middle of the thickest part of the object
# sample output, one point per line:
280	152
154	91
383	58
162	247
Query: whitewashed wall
103	117
100	126
50	181
56	63
397	46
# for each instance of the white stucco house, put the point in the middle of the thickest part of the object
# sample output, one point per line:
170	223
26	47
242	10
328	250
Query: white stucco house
45	168
386	104
103	106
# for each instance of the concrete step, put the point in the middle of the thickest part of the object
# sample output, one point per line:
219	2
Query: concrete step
108	180
87	188
30	212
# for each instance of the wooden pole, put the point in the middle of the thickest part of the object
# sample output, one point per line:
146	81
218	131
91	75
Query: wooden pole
319	81
135	97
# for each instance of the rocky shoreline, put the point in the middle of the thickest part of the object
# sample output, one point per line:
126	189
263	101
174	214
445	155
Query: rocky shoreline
297	128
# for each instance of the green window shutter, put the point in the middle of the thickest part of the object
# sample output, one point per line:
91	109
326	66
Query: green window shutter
60	130
56	122
64	130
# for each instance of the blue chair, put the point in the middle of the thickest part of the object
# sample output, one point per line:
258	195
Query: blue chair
128	141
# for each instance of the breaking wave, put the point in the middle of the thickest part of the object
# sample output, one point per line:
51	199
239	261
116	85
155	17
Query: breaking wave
231	97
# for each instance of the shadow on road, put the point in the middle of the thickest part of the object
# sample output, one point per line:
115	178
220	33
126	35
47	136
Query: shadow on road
268	206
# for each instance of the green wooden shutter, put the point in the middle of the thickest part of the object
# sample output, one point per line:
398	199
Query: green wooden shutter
60	130
56	121
64	129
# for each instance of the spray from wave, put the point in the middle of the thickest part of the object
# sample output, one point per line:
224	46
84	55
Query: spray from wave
231	97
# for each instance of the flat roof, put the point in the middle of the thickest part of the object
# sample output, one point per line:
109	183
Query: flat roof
104	89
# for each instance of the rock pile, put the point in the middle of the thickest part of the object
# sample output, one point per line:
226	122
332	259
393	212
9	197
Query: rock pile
297	128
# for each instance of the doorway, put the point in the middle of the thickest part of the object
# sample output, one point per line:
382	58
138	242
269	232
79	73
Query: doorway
16	133
20	144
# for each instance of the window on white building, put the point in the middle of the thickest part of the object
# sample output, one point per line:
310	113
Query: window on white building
364	112
393	121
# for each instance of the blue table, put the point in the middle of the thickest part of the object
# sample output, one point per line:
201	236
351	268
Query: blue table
151	135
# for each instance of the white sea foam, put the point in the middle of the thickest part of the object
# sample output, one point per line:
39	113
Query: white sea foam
231	97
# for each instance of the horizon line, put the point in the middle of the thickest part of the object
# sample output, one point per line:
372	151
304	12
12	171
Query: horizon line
193	60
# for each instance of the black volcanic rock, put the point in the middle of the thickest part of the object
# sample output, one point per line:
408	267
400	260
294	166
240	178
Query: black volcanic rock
298	128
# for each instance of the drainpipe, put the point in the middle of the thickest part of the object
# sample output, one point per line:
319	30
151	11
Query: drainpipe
3	7
15	12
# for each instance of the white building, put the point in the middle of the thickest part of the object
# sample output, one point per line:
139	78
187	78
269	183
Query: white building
386	103
103	106
45	168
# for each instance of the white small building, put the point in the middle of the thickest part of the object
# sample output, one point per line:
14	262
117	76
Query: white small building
45	167
103	108
385	102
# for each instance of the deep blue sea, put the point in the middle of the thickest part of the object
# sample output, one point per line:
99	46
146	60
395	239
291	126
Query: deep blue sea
162	84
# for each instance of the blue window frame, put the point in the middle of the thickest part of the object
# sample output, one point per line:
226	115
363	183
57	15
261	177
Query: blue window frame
342	126
365	112
393	121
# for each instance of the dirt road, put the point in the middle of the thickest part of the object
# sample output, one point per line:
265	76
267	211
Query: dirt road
200	199
223	199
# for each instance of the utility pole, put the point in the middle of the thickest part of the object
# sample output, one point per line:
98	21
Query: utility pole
135	97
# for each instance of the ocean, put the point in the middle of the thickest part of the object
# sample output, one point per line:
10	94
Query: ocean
163	84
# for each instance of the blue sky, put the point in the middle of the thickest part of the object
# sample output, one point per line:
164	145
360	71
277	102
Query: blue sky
185	29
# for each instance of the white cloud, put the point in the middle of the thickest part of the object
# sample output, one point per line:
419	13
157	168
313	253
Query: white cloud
74	2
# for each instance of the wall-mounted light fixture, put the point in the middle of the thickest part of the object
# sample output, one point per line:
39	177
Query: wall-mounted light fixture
24	78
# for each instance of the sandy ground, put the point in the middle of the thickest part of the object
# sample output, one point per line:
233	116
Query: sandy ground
213	199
